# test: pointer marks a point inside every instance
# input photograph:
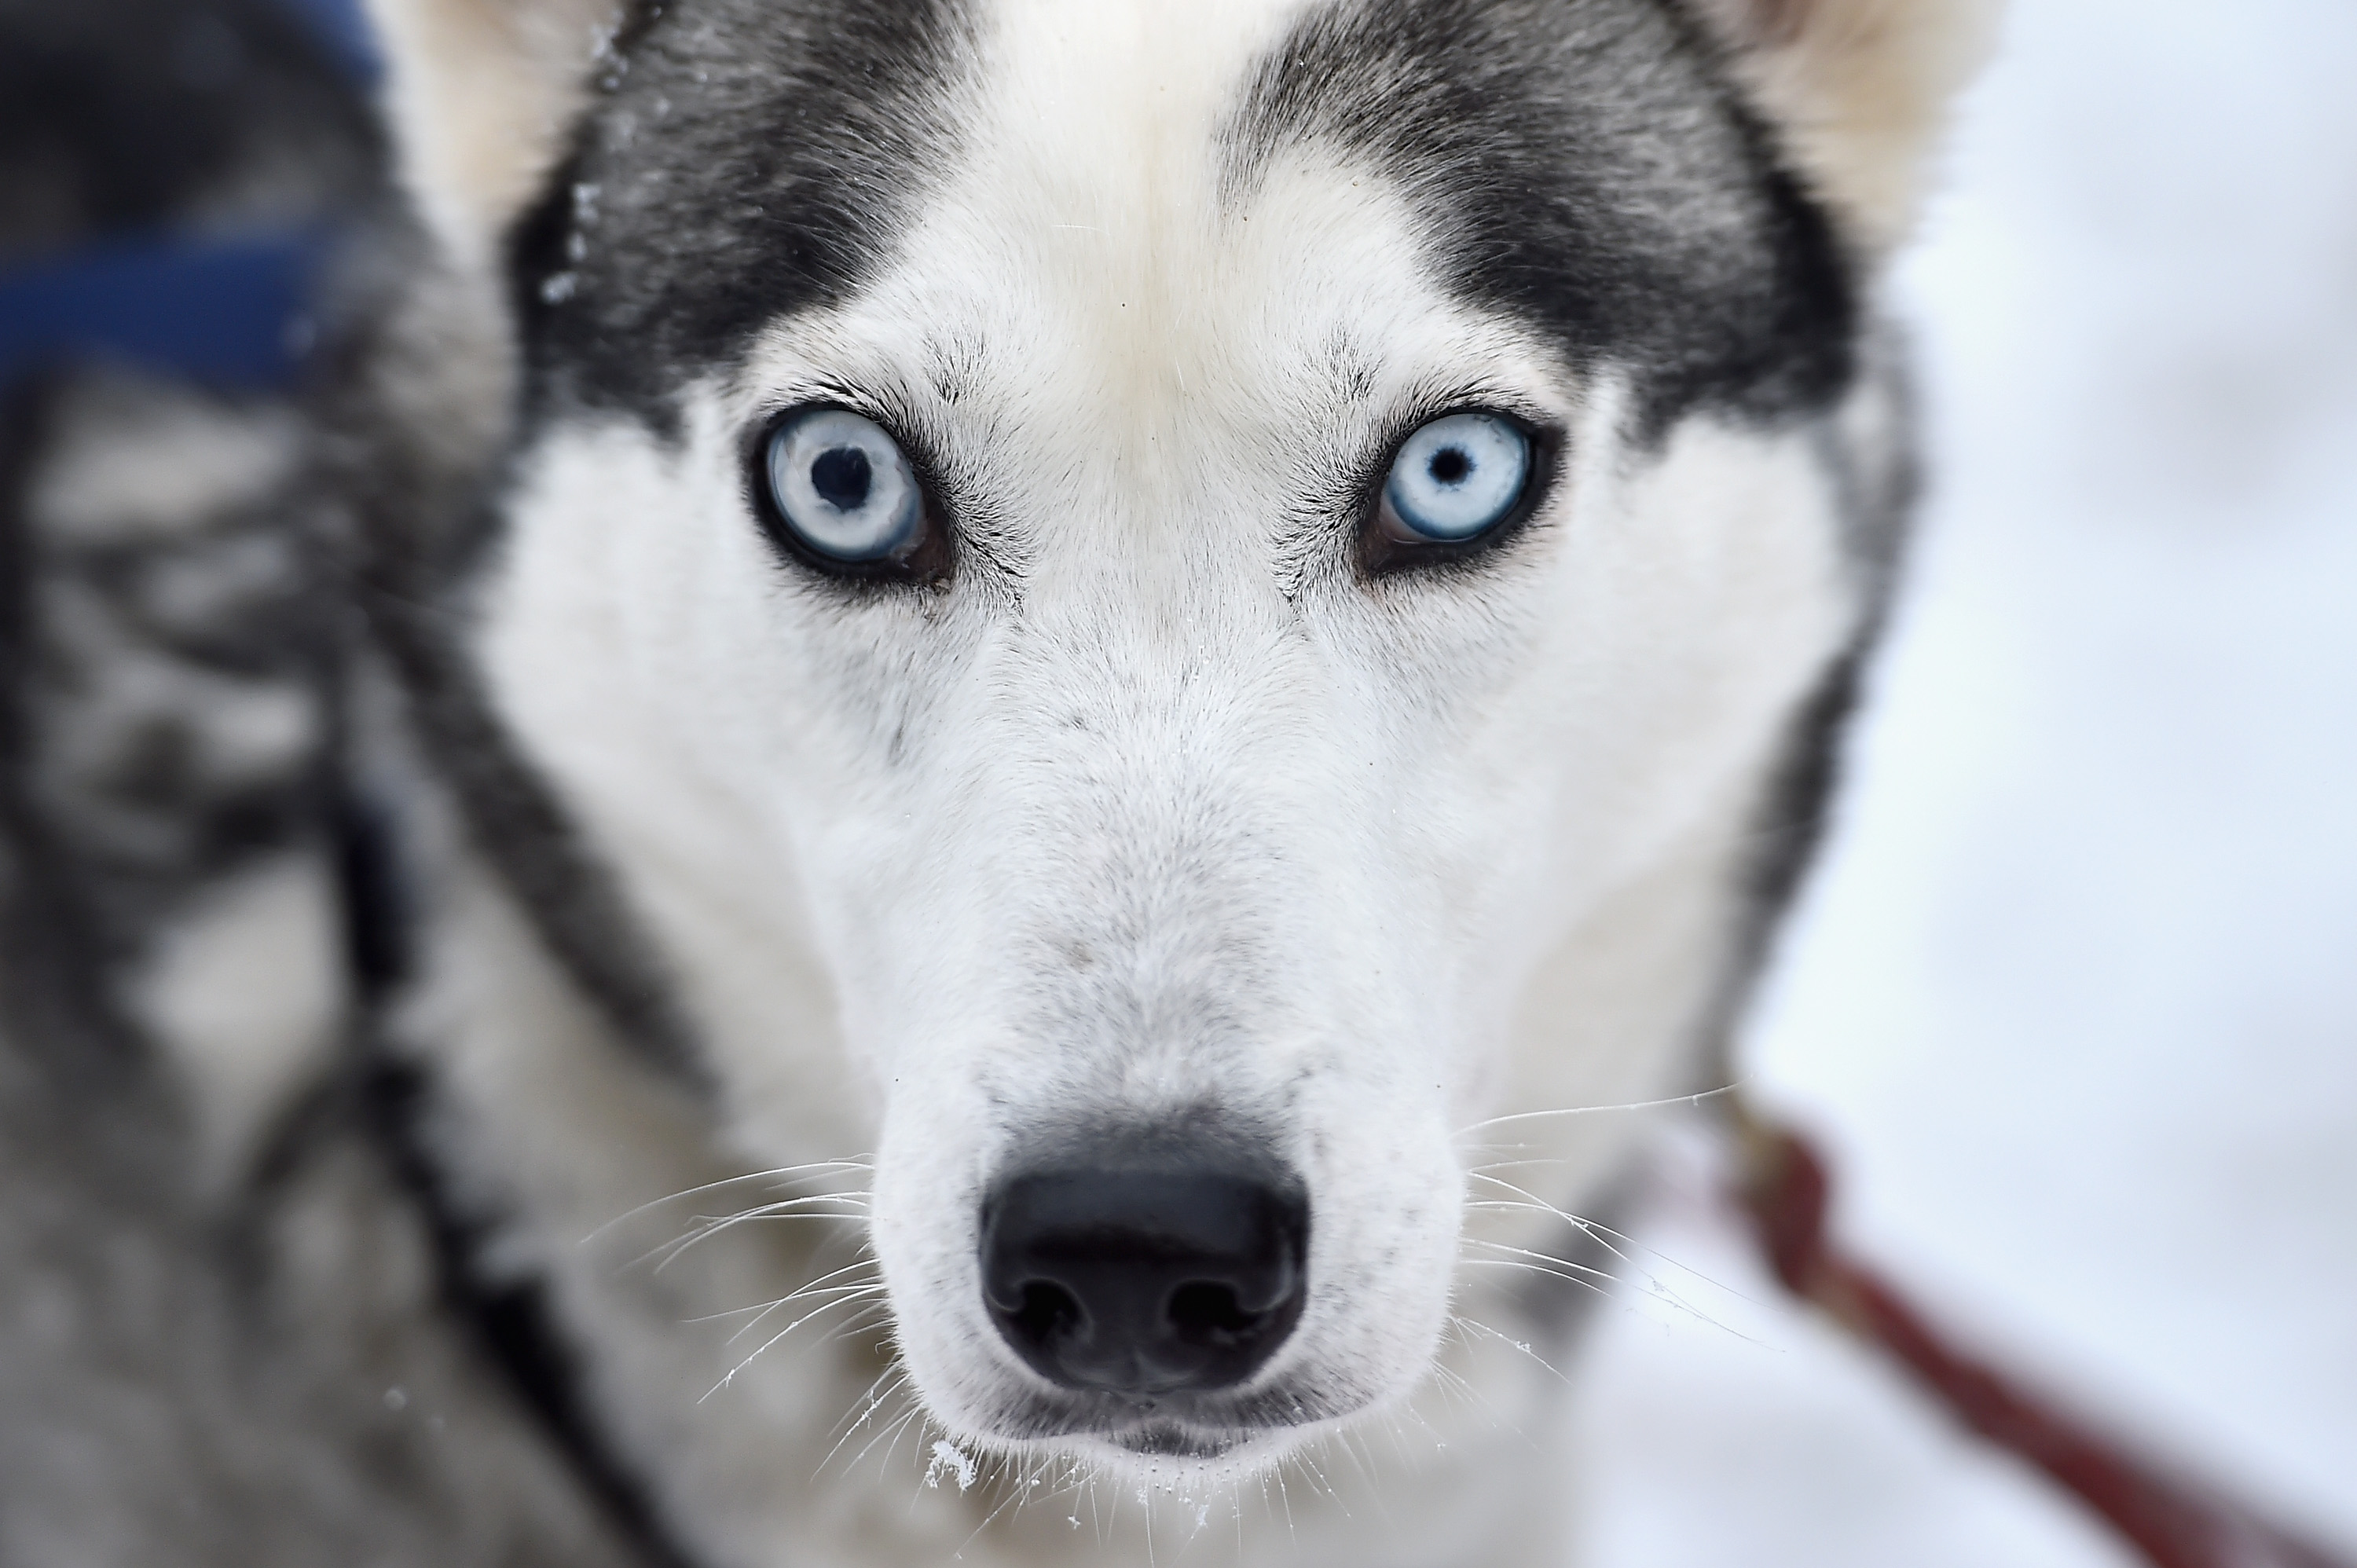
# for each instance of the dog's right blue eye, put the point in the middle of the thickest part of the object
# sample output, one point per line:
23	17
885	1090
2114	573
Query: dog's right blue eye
1456	478
844	487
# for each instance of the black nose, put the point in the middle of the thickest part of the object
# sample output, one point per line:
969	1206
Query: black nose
1185	1276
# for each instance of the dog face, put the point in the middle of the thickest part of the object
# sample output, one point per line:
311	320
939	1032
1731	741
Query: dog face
1161	608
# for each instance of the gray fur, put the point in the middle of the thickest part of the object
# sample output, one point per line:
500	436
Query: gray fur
211	1353
257	1367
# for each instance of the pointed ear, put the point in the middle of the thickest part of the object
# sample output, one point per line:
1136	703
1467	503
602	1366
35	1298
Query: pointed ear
1860	91
483	94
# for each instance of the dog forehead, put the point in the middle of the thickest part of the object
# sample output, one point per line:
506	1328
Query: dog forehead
1579	166
1096	130
1038	296
1088	243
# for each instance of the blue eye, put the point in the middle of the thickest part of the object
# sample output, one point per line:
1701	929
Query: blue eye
844	487
1456	478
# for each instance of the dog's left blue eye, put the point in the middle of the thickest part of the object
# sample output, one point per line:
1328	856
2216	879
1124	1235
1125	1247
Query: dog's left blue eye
844	487
1456	478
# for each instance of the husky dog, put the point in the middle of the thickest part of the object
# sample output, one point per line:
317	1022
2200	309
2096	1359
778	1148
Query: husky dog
1043	681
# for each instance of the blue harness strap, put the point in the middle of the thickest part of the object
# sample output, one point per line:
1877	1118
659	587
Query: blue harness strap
231	313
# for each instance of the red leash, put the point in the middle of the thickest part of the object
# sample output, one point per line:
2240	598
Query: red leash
2175	1522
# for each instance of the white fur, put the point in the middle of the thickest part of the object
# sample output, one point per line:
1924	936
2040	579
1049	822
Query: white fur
242	994
1184	814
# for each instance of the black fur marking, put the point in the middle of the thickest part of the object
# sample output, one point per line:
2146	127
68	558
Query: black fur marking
1587	167
519	826
510	1318
748	159
423	518
50	984
379	917
1798	802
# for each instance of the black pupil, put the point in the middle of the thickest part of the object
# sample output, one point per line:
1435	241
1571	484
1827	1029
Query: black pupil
1450	463
841	476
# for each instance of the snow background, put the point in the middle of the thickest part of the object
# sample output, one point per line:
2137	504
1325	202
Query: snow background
2073	1000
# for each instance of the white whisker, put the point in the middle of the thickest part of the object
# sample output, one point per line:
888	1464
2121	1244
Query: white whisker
780	1174
1694	1099
762	1306
1480	1328
879	1393
829	1295
818	1311
708	1226
1601	1234
812	1288
892	1431
1537	1259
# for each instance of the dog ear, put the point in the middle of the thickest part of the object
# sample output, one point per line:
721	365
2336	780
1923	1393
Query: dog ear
1860	91
482	96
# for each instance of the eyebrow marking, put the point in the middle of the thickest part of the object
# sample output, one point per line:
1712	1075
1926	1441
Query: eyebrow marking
1588	169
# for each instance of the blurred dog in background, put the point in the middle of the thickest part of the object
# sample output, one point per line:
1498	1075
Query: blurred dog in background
1020	696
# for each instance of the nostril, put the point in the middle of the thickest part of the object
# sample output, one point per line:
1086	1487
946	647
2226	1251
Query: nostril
1048	1311
1209	1312
1183	1276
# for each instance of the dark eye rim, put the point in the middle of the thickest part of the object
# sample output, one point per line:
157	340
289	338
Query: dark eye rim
1383	553
926	563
